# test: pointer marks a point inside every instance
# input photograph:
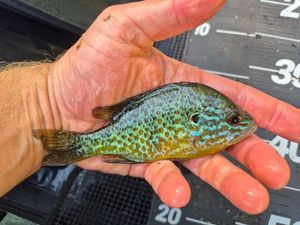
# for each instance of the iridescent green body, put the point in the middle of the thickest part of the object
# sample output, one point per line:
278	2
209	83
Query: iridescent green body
175	121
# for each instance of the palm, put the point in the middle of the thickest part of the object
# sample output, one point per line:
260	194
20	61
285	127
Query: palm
115	59
106	81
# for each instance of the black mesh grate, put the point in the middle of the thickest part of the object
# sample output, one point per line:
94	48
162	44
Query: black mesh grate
173	47
96	199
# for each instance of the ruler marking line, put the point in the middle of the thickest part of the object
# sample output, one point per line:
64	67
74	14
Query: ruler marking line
275	3
263	69
198	221
238	33
229	74
277	37
292	188
232	32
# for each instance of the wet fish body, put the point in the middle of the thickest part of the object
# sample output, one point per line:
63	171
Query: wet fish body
175	121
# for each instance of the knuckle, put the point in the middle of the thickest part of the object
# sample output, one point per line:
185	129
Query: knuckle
182	19
110	10
216	170
242	97
119	25
157	172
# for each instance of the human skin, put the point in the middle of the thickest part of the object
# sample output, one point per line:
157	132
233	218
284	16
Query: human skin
115	59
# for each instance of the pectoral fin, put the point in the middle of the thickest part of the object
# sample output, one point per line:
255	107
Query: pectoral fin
107	112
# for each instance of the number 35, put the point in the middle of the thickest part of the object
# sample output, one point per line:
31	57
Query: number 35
289	73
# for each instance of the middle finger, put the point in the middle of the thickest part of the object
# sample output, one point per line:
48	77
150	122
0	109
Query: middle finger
263	161
236	185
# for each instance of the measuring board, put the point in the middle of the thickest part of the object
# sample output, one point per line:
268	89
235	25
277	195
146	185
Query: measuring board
256	42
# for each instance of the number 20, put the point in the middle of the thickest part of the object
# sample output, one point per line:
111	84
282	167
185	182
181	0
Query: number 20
289	11
289	73
168	215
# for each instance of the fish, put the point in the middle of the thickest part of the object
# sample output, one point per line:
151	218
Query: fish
176	121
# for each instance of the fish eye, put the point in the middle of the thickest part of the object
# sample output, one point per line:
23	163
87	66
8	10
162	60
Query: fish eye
194	118
234	119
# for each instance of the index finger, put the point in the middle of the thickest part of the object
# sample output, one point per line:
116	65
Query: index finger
268	112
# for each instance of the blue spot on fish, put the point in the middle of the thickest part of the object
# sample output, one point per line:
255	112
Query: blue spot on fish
196	133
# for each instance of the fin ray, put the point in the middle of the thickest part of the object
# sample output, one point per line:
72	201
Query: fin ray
63	147
56	140
61	158
108	112
115	159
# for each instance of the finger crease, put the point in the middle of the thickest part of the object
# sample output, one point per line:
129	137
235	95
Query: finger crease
138	26
177	69
164	177
175	9
242	97
276	114
97	50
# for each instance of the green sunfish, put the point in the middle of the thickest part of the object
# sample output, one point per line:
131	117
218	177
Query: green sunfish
175	121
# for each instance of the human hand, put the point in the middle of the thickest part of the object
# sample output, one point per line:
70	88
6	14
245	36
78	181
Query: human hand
115	59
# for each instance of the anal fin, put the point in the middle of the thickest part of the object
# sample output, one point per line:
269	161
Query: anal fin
116	159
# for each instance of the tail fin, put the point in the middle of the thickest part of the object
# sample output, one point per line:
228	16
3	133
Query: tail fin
63	146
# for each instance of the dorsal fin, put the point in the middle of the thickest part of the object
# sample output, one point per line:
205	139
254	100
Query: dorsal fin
109	112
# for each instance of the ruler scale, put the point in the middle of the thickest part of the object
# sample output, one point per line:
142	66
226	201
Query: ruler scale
256	42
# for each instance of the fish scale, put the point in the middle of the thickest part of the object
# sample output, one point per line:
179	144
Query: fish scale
175	121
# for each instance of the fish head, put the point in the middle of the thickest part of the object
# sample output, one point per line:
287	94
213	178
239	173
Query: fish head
239	125
220	125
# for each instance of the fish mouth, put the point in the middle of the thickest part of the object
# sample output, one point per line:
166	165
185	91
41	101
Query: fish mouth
253	128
